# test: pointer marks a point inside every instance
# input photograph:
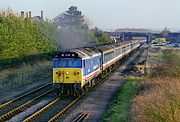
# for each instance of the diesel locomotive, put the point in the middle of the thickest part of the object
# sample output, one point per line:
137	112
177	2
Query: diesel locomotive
75	70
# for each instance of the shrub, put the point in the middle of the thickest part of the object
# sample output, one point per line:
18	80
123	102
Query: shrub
22	37
158	98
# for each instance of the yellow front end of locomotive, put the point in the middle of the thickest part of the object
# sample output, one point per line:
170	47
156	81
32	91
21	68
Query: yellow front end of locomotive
67	75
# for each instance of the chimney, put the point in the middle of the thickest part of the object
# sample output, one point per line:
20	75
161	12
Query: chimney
22	14
26	14
41	14
29	14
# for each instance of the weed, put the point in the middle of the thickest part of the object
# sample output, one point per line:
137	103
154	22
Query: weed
24	75
158	98
119	109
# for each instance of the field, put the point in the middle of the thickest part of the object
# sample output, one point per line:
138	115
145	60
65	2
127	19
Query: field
158	96
17	79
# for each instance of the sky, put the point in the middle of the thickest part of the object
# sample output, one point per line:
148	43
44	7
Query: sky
108	14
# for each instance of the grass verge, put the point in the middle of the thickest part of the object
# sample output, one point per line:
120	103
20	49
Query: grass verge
15	78
120	108
158	96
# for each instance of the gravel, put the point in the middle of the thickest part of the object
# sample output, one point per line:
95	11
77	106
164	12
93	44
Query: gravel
29	111
22	90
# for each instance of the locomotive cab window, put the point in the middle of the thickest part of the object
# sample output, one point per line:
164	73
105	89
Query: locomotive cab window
66	63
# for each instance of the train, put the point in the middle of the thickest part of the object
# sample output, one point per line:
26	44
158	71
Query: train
76	70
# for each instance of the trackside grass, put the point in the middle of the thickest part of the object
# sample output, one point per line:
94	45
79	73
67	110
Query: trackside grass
22	76
158	96
158	101
120	108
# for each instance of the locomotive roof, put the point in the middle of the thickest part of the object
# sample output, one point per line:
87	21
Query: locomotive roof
84	52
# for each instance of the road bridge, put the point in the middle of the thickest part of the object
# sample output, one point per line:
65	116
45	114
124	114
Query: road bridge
122	36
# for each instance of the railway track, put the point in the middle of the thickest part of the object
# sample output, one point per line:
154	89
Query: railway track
51	109
54	110
6	104
81	117
19	104
57	116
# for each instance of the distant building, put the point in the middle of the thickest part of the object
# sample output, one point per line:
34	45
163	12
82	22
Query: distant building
165	32
25	15
173	37
39	17
29	15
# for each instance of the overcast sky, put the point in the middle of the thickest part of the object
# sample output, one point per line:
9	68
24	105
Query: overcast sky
108	14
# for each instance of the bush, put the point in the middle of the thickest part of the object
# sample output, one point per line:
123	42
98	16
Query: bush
158	98
22	37
169	67
25	75
158	102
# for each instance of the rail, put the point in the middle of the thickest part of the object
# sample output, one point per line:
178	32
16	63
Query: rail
81	117
22	107
41	111
24	95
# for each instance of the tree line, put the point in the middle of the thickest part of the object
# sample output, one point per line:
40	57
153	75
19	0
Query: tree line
20	38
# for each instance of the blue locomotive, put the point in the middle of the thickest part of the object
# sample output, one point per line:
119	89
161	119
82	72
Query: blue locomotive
75	70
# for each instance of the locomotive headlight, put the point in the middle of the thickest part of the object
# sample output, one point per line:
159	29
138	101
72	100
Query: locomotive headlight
67	73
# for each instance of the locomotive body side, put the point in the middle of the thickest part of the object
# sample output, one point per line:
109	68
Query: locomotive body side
92	68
